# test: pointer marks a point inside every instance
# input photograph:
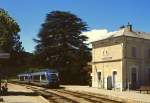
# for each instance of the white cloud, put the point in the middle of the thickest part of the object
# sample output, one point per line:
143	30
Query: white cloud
96	34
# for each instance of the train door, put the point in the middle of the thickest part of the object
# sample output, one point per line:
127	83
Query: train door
114	79
133	78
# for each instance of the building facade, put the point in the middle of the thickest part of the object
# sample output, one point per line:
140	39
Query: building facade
121	61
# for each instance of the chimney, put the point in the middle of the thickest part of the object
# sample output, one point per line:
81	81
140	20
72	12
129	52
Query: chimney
129	27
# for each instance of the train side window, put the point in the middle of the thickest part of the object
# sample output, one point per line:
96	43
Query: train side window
43	77
21	78
26	77
31	77
36	78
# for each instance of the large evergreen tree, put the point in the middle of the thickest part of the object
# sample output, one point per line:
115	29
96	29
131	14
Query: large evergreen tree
60	45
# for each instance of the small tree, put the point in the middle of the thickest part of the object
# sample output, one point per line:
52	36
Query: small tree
60	45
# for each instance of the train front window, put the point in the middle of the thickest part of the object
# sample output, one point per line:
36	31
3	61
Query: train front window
54	76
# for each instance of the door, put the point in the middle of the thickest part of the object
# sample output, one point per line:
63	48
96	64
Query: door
99	79
133	78
109	82
114	79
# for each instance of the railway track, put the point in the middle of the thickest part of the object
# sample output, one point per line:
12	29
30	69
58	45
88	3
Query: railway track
53	97
57	97
92	97
67	96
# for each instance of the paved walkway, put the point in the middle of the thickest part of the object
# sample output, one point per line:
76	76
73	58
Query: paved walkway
133	96
20	94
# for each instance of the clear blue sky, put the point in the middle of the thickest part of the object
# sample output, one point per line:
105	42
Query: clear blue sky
99	14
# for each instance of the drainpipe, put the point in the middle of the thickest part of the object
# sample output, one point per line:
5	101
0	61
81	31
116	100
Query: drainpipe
126	69
125	63
103	75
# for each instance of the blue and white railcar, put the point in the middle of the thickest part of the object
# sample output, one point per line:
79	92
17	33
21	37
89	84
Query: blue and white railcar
46	77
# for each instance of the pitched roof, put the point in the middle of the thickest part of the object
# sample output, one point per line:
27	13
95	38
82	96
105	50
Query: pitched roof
126	32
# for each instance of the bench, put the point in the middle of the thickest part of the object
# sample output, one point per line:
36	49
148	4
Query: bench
144	88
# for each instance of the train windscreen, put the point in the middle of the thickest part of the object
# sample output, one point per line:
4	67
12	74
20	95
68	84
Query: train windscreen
53	77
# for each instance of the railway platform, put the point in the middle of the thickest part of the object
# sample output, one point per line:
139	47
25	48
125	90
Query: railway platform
20	94
129	96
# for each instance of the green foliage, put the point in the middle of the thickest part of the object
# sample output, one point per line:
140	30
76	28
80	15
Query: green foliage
9	38
60	44
10	43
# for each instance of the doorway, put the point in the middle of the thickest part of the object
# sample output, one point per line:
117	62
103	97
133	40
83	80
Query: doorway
114	77
99	79
133	79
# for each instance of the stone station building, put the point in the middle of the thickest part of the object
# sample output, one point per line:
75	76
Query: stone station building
122	60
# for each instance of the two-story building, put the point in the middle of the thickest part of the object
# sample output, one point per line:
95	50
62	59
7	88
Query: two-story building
121	61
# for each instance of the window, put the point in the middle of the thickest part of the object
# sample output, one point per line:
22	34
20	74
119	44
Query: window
21	78
31	77
26	77
43	77
103	52
36	78
134	51
53	76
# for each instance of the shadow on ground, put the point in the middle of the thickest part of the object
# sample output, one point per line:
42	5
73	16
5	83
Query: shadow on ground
60	87
20	94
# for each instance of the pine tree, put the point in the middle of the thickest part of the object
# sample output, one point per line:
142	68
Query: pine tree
60	44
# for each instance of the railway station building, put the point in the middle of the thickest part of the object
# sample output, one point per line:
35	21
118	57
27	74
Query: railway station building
122	60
